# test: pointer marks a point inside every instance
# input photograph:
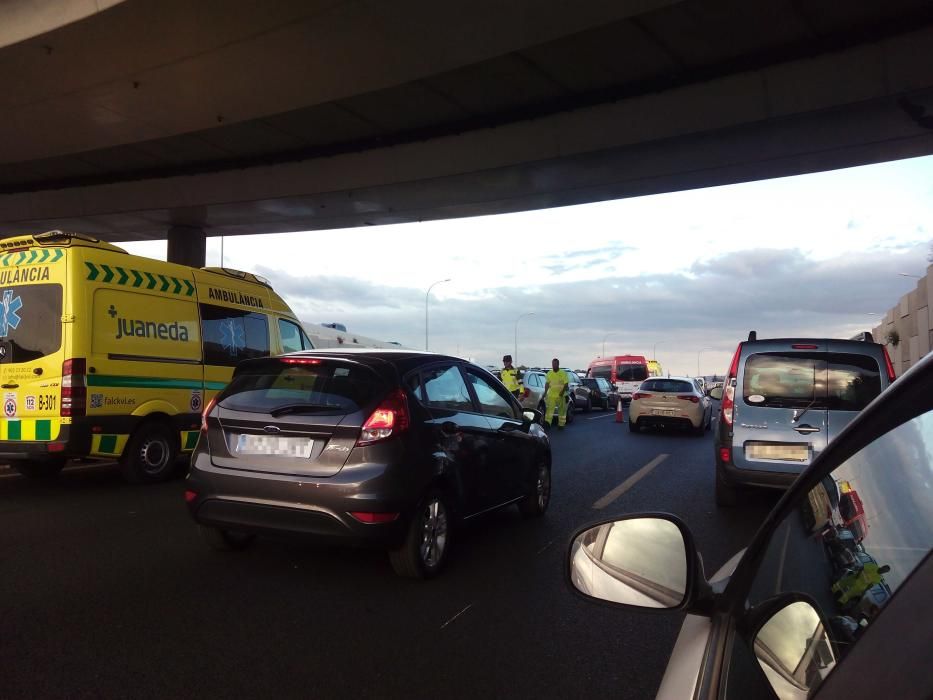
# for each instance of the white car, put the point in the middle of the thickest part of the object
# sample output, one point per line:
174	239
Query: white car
670	401
783	618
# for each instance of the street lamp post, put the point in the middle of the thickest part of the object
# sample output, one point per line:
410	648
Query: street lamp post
530	313
700	352
426	296
604	342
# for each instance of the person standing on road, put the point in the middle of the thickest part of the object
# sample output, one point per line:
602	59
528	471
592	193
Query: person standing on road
512	378
555	390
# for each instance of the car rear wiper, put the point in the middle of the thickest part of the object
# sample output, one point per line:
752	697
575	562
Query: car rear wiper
304	408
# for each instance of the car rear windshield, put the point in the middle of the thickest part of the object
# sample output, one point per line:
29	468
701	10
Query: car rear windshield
30	322
631	373
329	388
590	382
832	381
668	386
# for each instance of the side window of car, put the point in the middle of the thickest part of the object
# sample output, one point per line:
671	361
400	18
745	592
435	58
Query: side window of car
293	338
834	562
492	401
233	335
443	387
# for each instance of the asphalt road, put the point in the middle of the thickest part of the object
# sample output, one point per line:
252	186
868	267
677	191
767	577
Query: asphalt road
106	590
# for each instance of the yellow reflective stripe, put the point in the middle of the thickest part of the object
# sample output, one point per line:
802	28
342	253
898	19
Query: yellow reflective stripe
108	445
30	429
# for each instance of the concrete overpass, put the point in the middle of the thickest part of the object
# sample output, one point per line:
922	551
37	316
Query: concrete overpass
139	119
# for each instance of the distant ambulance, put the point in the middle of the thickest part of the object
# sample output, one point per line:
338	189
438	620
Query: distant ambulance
625	372
106	354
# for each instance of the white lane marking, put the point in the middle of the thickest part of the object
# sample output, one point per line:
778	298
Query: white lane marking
545	546
780	575
629	483
83	468
605	415
457	615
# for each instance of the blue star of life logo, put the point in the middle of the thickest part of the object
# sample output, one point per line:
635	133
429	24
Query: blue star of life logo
9	318
232	337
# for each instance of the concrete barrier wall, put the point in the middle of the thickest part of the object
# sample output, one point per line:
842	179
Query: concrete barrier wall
911	319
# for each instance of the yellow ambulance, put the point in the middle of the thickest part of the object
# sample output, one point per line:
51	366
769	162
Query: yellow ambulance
111	355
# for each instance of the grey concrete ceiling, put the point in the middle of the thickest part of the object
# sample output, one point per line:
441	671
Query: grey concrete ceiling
282	115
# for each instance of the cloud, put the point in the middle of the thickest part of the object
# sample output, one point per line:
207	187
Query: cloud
714	304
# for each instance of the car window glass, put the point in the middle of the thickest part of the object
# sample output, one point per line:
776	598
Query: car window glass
667	386
834	381
232	335
604	371
444	388
491	401
847	547
291	336
632	373
28	336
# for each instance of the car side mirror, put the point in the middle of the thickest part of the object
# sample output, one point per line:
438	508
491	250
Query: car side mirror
638	561
531	416
715	394
792	646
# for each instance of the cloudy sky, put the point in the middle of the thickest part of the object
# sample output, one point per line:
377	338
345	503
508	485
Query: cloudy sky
688	273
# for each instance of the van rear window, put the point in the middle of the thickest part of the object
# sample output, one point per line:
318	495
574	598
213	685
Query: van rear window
329	388
604	371
30	322
831	381
631	373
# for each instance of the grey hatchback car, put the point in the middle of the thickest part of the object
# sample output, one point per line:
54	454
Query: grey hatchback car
383	447
784	400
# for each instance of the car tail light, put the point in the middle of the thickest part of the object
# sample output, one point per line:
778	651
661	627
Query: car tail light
371	518
728	394
206	413
301	360
190	496
638	395
390	418
691	398
74	387
889	366
725	454
802	346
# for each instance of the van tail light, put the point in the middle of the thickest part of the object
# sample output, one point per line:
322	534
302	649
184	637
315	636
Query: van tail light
74	388
390	418
690	398
728	394
638	395
889	366
725	455
206	413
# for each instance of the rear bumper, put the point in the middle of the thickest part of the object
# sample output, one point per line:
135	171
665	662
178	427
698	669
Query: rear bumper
732	474
73	441
309	507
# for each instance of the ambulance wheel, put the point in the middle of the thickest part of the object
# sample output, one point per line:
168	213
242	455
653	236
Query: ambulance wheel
150	454
39	469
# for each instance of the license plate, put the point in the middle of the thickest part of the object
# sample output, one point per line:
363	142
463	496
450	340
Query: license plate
662	412
785	453
273	445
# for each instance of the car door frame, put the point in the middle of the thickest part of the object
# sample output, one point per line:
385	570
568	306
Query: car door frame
504	445
903	401
471	477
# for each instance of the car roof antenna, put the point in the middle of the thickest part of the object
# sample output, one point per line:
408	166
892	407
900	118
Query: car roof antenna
752	335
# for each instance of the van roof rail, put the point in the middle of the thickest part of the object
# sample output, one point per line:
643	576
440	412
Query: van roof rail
752	335
240	275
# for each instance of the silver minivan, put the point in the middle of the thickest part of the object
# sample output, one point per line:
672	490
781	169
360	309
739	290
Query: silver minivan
784	400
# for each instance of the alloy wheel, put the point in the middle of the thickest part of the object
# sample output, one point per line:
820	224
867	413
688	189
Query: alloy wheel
434	533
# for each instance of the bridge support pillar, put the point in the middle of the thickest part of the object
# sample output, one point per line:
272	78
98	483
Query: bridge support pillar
187	245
